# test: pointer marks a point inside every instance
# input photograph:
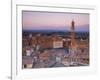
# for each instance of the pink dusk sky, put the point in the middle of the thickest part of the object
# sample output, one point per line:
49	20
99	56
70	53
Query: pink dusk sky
36	20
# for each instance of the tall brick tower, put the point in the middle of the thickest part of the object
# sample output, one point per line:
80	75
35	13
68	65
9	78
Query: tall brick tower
73	41
73	46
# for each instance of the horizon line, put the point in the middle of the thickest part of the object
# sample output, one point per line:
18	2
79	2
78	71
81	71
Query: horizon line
58	30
